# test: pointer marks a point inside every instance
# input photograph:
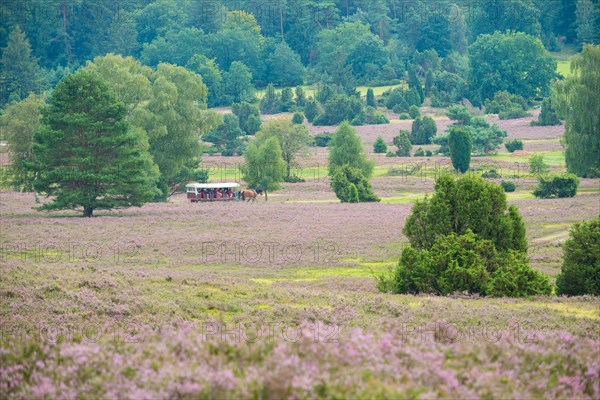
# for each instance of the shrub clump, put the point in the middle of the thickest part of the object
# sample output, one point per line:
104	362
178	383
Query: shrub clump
402	142
491	174
422	130
467	264
513	113
298	118
580	272
507	106
414	112
508	186
322	139
465	239
548	115
347	180
560	186
379	146
513	145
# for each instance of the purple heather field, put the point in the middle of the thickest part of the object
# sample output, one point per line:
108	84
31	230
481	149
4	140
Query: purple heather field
278	300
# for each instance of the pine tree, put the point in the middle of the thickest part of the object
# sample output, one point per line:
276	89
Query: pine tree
578	101
88	155
20	72
429	81
460	145
311	110
287	100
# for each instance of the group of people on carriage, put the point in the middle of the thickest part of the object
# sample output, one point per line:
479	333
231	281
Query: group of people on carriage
220	192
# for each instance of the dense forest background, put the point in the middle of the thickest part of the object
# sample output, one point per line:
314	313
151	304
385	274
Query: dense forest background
284	42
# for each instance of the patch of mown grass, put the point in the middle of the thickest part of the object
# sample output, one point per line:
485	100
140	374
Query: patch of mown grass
520	195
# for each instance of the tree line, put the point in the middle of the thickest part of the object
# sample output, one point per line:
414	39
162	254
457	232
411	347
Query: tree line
341	42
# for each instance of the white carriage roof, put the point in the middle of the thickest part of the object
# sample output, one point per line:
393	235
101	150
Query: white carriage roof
222	185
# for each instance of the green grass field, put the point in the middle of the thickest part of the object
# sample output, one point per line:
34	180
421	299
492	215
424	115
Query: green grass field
564	68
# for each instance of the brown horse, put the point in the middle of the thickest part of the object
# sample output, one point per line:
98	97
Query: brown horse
251	194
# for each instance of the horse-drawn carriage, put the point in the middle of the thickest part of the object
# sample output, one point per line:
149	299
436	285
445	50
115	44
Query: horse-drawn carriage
211	191
219	192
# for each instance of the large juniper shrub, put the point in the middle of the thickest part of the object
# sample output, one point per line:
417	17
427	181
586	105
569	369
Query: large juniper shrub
465	239
580	272
346	180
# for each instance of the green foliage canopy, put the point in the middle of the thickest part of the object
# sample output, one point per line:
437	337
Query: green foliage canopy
88	155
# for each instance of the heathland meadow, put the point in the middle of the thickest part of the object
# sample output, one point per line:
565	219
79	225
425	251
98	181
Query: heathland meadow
421	199
278	299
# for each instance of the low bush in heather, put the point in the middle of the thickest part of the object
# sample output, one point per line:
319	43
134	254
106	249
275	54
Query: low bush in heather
322	139
559	186
580	272
513	145
513	113
351	186
467	264
508	186
490	174
298	118
465	239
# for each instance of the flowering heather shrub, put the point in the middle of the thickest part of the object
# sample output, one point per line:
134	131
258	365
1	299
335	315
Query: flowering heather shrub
392	362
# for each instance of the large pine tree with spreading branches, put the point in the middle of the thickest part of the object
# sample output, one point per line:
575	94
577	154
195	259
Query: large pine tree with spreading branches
88	156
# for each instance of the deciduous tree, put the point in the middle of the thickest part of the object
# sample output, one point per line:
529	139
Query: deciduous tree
18	123
264	167
293	139
579	103
347	149
512	61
